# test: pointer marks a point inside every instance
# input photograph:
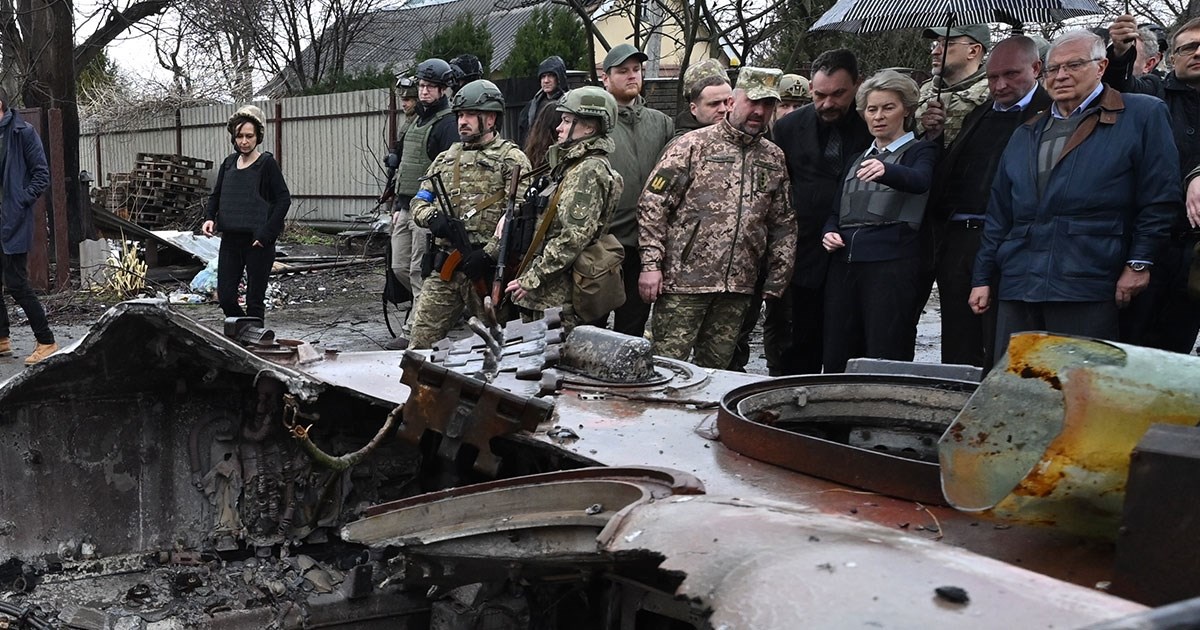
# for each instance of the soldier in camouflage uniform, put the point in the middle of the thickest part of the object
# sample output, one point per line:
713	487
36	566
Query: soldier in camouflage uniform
714	208
473	170
586	189
962	79
794	93
709	95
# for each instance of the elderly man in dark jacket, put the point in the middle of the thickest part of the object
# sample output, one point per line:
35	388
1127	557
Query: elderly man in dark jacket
552	78
1081	203
1165	315
25	179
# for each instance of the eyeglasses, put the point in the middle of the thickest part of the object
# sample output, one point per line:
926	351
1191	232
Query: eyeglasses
1186	50
1071	66
933	45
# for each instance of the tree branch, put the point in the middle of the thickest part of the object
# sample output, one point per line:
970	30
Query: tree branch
117	23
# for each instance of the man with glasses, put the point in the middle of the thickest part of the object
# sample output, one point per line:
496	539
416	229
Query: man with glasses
433	131
1080	206
956	56
1165	316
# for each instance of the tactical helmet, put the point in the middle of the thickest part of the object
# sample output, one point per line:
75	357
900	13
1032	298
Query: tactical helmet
435	71
468	66
481	95
591	101
407	86
793	87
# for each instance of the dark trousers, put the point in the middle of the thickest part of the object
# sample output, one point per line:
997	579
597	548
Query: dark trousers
1164	316
1086	319
967	338
868	311
630	318
806	349
14	272
239	254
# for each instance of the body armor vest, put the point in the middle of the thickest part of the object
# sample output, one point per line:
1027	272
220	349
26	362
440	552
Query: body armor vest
872	203
414	158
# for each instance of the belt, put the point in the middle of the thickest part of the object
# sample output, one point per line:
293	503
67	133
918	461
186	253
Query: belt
970	224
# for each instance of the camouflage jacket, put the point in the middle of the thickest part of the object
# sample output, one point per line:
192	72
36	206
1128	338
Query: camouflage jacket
960	99
714	210
471	173
590	189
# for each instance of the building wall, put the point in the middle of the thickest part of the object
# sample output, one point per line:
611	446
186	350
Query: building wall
618	29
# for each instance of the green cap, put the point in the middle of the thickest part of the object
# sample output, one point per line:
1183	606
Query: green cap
978	32
702	70
759	83
620	54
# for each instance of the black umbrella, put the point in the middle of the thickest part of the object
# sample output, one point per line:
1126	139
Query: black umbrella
872	16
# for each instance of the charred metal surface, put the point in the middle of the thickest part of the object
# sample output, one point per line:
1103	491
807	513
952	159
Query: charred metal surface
608	356
843	573
1047	439
874	432
155	437
466	413
1164	474
528	348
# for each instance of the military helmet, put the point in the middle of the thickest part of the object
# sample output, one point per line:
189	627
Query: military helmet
480	95
435	71
793	87
591	101
407	86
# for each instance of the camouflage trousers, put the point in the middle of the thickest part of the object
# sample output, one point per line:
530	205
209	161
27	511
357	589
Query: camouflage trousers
705	325
408	247
439	308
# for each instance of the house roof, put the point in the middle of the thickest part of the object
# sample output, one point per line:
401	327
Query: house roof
392	37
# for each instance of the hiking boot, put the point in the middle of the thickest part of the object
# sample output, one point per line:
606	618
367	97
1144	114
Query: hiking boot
399	343
40	352
5	347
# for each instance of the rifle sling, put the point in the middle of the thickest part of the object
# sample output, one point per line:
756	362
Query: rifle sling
501	195
535	245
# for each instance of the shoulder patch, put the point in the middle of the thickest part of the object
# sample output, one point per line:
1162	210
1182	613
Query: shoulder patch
661	180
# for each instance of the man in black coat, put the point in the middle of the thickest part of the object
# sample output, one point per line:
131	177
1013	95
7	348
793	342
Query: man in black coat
1164	315
816	139
552	84
961	185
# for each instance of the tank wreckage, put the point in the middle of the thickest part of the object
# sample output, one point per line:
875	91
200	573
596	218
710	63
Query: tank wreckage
159	475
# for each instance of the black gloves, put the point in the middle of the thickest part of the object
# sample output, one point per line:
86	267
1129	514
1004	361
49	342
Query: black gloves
439	225
478	266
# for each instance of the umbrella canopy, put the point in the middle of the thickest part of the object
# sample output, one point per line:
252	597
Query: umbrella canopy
870	16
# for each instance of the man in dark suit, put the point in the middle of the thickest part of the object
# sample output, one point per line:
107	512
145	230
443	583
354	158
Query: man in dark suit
816	139
1081	203
960	193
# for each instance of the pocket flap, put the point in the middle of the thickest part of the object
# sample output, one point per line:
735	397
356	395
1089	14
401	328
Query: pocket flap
600	257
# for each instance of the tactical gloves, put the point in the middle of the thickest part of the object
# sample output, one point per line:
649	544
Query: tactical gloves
439	225
478	265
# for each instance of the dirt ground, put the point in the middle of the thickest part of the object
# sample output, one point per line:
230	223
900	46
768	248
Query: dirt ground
337	308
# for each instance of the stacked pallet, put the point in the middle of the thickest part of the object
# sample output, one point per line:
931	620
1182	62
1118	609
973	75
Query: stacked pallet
114	197
167	191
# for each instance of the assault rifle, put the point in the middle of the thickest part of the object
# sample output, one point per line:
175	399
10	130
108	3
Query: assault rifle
459	239
502	257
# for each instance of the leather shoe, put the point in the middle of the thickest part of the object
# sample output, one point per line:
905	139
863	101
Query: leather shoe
399	343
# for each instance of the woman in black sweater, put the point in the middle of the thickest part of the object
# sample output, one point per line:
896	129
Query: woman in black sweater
248	205
872	232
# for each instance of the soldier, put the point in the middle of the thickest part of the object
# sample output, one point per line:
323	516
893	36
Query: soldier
472	171
958	86
586	189
640	133
429	135
714	208
793	94
709	95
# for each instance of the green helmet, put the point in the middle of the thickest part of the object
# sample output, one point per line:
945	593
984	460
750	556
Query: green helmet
591	101
481	95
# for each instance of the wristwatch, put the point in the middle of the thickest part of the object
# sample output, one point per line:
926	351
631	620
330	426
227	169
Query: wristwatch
1138	266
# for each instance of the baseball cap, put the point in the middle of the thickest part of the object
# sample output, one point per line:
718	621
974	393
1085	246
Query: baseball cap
759	83
978	32
620	54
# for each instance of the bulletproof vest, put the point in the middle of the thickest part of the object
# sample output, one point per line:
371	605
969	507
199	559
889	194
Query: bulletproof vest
241	207
414	159
471	175
872	203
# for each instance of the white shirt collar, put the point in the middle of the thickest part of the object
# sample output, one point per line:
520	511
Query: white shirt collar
1020	105
895	144
1082	106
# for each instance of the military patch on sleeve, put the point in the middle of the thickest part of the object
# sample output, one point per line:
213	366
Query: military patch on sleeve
661	180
